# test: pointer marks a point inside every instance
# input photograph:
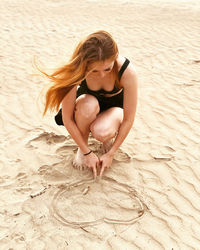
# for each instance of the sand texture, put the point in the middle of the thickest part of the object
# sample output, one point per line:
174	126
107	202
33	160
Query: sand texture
150	197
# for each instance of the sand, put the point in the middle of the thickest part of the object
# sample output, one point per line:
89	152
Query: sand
149	198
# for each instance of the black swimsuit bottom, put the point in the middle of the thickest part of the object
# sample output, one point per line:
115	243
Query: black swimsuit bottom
104	102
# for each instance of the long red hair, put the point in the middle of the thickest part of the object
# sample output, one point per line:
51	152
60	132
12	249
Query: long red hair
98	46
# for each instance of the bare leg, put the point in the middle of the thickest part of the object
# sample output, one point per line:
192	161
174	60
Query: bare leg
86	110
106	126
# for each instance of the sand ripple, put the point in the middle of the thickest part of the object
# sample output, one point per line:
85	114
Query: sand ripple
159	159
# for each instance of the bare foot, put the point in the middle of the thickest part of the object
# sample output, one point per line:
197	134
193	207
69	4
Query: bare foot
106	146
78	161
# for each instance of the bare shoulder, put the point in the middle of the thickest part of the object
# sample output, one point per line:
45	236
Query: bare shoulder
70	97
129	75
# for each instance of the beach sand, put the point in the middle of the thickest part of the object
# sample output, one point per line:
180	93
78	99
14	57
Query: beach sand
149	198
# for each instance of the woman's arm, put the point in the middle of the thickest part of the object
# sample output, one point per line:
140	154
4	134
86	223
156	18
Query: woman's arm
129	83
68	106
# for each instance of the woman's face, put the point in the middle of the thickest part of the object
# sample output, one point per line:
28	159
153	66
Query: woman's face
101	68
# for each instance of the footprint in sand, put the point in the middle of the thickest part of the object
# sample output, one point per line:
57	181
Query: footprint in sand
47	138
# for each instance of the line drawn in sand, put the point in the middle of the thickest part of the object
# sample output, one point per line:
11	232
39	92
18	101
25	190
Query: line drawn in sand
91	202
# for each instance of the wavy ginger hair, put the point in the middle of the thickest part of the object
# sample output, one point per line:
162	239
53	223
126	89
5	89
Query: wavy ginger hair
98	46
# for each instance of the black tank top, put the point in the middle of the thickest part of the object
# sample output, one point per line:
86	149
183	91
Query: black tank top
83	84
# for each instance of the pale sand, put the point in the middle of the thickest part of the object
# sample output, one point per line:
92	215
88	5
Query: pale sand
159	159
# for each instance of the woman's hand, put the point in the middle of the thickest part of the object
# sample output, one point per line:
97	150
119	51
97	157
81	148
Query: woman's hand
106	161
92	161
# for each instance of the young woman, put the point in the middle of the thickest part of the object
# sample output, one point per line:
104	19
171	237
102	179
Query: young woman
97	90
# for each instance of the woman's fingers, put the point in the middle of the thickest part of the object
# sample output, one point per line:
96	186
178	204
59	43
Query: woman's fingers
94	169
92	161
102	170
103	167
106	161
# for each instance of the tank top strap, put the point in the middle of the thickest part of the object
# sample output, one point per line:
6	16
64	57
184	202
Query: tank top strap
123	67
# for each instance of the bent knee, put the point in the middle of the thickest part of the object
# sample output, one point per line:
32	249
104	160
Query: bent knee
102	133
87	106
